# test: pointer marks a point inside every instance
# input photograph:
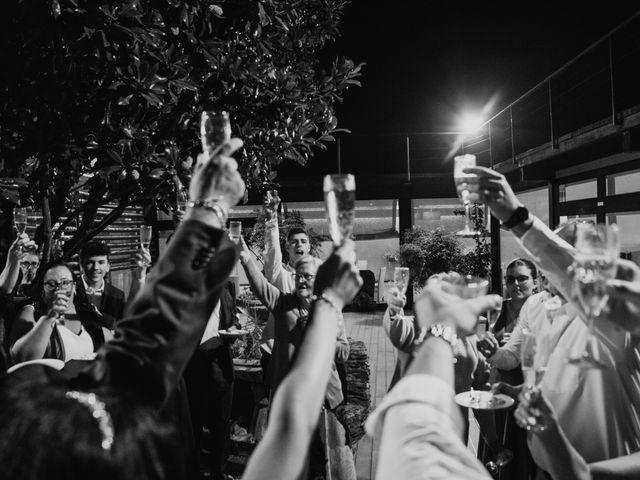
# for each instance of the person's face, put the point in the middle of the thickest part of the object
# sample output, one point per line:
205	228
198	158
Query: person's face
95	268
57	280
298	246
28	266
305	278
519	282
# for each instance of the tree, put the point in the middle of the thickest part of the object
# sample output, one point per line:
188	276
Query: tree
104	96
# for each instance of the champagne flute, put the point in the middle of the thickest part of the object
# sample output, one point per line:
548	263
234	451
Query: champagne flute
598	247
463	183
20	219
534	353
340	200
146	232
215	129
235	231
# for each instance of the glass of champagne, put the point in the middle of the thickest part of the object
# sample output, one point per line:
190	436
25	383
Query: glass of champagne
215	129
533	361
598	247
235	231
340	200
401	278
463	182
20	219
146	232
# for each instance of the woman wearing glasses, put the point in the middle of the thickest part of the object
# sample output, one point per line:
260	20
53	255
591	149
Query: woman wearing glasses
52	327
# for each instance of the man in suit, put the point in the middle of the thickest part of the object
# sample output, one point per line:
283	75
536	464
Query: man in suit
209	379
93	289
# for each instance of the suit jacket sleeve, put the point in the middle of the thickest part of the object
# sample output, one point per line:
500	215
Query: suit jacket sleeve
166	320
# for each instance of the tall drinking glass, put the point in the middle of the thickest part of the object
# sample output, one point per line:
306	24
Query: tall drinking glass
215	129
235	231
598	247
534	353
464	182
146	232
20	219
340	200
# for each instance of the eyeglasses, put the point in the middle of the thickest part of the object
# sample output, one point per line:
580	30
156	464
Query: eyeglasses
519	279
53	285
307	276
30	264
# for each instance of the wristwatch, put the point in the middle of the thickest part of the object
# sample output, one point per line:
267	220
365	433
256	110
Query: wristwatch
520	215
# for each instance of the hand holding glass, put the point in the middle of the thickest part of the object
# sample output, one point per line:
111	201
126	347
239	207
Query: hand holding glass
215	129
464	182
271	203
235	231
598	247
146	232
340	199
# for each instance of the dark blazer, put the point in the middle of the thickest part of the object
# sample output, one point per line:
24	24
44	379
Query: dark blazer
111	305
164	323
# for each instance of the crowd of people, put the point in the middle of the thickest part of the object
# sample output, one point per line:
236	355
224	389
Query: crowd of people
96	387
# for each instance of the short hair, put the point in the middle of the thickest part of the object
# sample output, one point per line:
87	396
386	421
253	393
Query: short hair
525	262
307	259
94	249
295	231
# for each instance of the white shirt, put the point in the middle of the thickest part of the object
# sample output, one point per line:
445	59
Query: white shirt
76	347
213	324
599	410
419	426
91	290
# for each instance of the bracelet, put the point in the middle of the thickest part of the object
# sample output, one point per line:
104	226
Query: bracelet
212	206
445	332
331	303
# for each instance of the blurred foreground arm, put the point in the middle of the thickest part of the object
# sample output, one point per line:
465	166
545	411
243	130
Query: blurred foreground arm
165	322
298	400
419	422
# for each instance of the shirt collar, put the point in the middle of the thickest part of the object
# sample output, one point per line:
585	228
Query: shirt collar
91	290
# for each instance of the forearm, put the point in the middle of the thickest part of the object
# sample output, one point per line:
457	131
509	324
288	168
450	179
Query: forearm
272	252
34	343
166	320
401	332
297	403
505	359
266	293
342	347
435	358
627	466
9	276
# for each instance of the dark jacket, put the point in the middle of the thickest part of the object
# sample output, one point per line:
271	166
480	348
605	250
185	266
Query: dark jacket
111	305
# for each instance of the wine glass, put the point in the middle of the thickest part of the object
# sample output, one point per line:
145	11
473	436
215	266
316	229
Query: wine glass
215	129
598	247
146	232
463	183
534	353
235	231
20	219
340	200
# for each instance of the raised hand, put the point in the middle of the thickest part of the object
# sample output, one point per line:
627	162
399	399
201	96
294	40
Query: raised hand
435	305
20	246
494	190
488	344
338	277
395	301
59	306
534	412
216	177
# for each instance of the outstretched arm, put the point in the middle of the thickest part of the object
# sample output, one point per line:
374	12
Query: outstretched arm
11	270
267	293
297	402
163	326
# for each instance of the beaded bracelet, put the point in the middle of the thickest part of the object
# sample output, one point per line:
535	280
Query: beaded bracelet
444	332
212	206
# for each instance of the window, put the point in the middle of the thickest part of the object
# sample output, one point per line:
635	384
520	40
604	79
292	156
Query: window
578	190
625	182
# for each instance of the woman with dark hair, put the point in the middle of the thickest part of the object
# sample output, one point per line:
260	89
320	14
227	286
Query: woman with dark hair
54	326
520	284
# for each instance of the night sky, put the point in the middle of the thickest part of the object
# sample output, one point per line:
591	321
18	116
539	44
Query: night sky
425	62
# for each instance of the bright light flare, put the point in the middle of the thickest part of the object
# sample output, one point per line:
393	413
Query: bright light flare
471	122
